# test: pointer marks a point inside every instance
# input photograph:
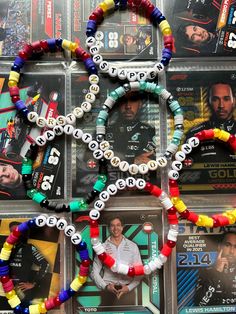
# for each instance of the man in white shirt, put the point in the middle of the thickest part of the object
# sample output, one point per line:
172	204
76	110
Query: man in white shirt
123	251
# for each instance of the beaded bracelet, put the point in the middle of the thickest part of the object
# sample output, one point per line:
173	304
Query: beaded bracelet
41	199
154	15
7	283
217	220
178	125
166	250
37	49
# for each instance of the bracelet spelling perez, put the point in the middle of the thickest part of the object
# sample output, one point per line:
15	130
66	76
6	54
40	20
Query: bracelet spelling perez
7	283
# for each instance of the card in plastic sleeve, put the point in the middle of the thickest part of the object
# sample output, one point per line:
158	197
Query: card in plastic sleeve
211	166
122	35
144	229
206	269
16	137
130	139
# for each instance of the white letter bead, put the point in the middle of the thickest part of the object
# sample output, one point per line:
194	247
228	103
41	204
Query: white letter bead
68	129
120	184
94	88
61	224
93	145
104	145
97	59
122	74
32	116
113	71
177	165
104	196
124	166
94	214
49	135
130	182
133	169
94	50
90	41
112	189
151	74
99	205
51	122
161	161
167	203
143	168
93	79
78	112
69	230
122	269
108	154
173	174
186	148
193	141
40	140
41	122
58	130
61	120
142	76
86	138
131	76
140	183
159	67
41	220
78	133
180	156
98	154
51	221
90	97
70	118
104	66
115	161
76	238
152	165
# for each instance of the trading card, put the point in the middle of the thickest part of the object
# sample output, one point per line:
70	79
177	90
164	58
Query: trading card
206	269
133	132
23	21
122	35
34	263
203	28
142	239
16	137
208	101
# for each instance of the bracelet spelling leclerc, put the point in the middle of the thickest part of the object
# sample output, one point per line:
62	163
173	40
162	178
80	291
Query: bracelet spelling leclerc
41	199
37	49
217	220
94	214
153	14
175	108
7	283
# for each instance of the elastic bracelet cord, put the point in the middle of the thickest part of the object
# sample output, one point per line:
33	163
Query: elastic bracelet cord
217	220
153	14
175	108
41	199
108	260
37	49
5	254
